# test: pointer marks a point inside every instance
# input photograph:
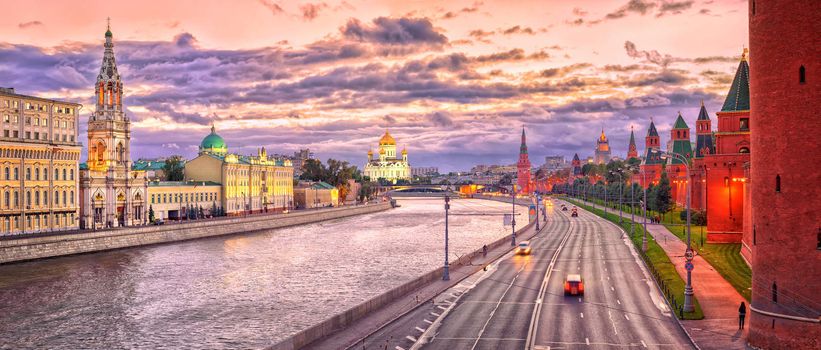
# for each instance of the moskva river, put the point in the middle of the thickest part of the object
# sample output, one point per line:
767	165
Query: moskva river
240	291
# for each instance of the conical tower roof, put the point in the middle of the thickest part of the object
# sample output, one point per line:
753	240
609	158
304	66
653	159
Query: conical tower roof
680	123
632	138
652	130
702	114
738	99
576	156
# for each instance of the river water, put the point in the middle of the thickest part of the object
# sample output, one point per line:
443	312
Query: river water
240	291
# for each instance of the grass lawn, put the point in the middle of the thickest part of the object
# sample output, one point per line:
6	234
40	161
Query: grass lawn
656	259
724	257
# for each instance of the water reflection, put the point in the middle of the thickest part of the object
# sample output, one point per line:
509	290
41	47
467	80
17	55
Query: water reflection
232	291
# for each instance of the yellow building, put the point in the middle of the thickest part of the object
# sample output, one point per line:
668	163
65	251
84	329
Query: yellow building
174	200
388	166
39	156
316	195
249	183
111	193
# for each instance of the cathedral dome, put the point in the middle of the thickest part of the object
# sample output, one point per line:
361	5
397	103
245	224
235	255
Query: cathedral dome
387	139
214	143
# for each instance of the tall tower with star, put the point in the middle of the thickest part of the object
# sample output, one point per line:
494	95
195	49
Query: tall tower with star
524	180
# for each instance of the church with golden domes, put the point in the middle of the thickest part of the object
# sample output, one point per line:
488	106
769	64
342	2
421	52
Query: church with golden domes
388	166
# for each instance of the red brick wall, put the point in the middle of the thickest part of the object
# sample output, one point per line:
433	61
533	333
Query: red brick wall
785	127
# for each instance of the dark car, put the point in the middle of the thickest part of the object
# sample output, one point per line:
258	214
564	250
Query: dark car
574	213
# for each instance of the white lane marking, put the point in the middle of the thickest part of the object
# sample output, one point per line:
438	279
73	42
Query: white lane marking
582	314
428	321
447	301
453	295
580	300
399	348
613	289
435	314
625	316
643	344
587	340
492	312
411	338
423	331
618	301
608	278
442	307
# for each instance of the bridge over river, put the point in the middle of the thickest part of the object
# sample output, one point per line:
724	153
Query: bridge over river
240	291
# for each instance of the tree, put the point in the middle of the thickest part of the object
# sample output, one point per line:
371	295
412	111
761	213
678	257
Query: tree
663	196
506	179
151	213
174	168
313	170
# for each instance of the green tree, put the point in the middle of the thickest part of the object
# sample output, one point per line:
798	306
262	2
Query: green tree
151	213
174	168
506	180
313	170
663	197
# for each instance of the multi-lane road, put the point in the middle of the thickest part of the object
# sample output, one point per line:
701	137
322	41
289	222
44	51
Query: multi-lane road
519	303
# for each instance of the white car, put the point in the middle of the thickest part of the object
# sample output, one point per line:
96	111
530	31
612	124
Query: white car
523	248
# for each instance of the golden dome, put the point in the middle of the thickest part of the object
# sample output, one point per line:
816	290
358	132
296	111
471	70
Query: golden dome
404	151
602	138
370	152
387	139
381	151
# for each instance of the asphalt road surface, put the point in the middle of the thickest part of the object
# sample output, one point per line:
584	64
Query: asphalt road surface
519	303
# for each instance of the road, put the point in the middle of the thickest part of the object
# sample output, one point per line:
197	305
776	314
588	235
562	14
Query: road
520	303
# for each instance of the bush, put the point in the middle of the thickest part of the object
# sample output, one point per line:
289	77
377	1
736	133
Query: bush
698	217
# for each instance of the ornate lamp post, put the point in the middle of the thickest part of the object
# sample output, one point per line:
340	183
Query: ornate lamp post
688	289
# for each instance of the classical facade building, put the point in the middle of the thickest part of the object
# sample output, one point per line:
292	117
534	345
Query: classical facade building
39	156
388	166
784	174
111	194
524	181
250	184
602	154
175	200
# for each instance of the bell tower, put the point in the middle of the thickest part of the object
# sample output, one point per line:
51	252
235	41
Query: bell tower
109	132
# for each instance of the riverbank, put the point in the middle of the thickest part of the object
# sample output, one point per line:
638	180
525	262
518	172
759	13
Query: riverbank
32	248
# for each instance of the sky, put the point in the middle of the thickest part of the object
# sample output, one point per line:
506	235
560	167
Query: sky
453	81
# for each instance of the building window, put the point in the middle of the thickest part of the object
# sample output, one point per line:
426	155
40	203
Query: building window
802	75
56	198
16	199
28	199
6	174
36	198
16	174
744	150
778	184
56	174
744	124
775	293
45	173
7	200
64	174
28	173
64	198
72	197
71	172
37	174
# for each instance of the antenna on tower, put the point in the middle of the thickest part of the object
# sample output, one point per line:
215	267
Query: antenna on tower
108	23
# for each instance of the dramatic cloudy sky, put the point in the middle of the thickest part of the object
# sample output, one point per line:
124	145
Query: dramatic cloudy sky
454	81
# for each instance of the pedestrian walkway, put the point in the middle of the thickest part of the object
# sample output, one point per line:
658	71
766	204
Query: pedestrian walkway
718	299
375	320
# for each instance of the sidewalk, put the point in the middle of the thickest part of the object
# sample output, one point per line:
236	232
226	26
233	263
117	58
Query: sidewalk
719	300
363	327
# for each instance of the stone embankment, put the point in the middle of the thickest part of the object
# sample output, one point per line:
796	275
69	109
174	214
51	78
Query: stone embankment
30	248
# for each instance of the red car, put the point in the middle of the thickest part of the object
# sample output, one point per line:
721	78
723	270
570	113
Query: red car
574	285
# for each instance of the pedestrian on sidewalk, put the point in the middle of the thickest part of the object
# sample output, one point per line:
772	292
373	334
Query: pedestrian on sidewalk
484	251
742	312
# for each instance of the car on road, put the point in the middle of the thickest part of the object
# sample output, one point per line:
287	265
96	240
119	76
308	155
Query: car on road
564	207
574	285
523	248
574	213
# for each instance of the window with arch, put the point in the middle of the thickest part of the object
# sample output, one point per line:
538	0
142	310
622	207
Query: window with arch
36	198
45	197
28	173
7	174
744	150
28	198
72	197
45	173
16	174
71	172
777	183
56	198
64	174
6	199
802	75
56	174
64	197
120	152
37	174
16	199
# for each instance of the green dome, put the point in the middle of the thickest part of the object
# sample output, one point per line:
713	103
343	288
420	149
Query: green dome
213	142
108	32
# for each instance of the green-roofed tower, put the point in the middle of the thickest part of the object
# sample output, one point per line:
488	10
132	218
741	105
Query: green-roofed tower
704	133
680	140
738	99
652	144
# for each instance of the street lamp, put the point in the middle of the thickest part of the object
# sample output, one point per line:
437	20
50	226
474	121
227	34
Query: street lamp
513	216
621	191
688	289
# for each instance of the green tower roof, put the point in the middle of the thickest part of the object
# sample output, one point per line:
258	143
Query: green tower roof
680	123
652	130
702	114
738	99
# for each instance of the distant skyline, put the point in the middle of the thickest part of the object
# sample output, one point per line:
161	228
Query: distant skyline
453	81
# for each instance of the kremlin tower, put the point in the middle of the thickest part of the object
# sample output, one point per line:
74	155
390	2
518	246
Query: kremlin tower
631	149
523	165
785	174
